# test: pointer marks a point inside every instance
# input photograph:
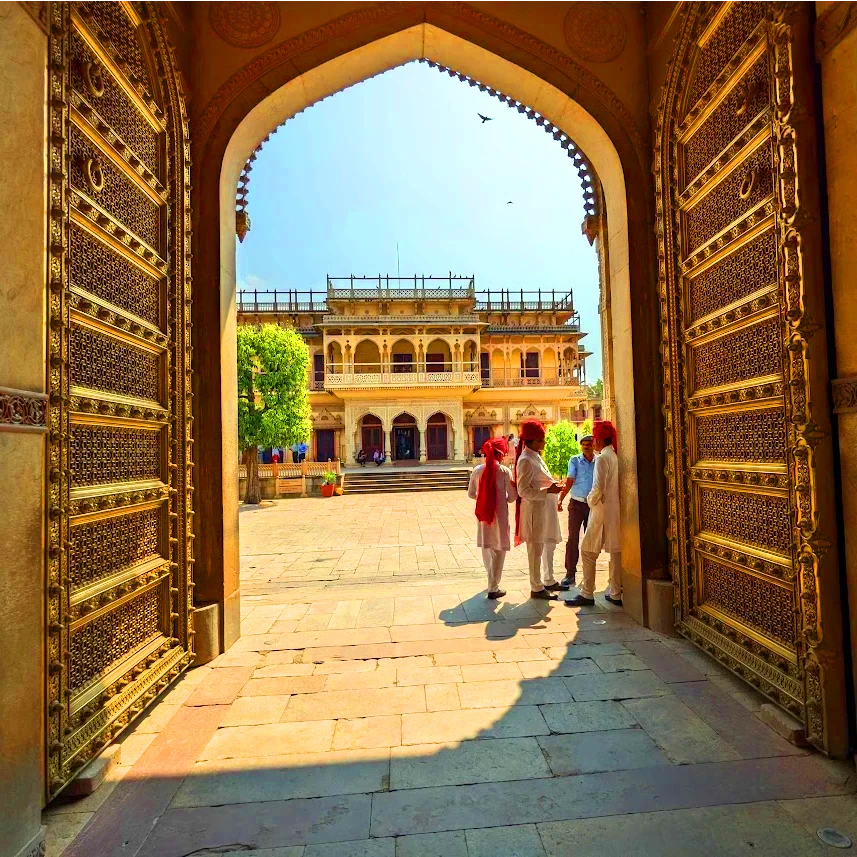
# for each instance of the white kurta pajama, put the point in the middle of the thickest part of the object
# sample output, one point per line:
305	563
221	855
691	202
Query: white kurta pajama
494	538
539	524
602	532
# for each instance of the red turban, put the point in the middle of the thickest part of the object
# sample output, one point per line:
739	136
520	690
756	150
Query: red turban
486	497
530	430
603	431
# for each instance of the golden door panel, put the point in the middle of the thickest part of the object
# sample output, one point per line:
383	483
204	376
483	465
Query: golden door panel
94	268
727	282
753	351
119	542
748	186
752	602
740	439
746	516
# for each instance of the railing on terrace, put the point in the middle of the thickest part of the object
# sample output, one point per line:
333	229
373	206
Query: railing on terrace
378	375
290	470
277	301
406	288
529	378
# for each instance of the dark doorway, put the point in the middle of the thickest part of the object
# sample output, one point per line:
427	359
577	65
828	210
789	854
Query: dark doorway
485	367
403	363
532	365
437	438
372	435
405	438
325	445
318	370
480	435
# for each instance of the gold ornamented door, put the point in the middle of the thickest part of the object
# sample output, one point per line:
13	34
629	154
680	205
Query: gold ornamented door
119	543
749	460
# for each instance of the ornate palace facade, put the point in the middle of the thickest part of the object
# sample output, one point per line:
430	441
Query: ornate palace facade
426	369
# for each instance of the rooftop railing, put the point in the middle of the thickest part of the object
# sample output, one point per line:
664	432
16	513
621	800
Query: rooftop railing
417	288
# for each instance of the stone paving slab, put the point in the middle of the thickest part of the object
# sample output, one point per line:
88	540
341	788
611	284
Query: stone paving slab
262	825
439	727
591	752
276	778
760	829
424	765
663	788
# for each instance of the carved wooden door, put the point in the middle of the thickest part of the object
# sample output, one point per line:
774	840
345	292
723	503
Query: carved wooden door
752	526
119	464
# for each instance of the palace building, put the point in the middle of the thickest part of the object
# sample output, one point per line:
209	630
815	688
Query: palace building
426	369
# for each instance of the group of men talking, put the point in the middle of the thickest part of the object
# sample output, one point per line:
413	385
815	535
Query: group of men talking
593	484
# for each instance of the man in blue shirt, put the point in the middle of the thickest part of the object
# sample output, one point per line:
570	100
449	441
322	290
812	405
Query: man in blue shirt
302	448
579	483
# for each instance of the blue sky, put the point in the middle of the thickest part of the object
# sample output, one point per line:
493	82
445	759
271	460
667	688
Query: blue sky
404	158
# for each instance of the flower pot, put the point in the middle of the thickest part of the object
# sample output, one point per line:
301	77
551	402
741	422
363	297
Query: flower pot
327	489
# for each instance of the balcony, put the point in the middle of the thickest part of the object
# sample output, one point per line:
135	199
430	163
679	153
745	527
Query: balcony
375	375
533	378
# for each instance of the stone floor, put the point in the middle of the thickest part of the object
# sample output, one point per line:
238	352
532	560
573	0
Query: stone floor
377	705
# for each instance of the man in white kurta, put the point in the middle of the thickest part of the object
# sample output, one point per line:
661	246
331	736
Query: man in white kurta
493	536
602	533
538	523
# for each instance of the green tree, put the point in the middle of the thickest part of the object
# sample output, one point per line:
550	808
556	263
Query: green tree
273	406
596	390
561	442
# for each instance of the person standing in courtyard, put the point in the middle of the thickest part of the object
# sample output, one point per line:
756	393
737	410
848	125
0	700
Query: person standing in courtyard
492	488
602	533
579	483
302	449
536	514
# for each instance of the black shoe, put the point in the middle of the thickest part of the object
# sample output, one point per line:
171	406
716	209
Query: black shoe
498	594
568	580
543	595
580	601
616	601
557	587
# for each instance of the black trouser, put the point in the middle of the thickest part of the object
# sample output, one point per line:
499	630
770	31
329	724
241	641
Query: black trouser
294	456
578	515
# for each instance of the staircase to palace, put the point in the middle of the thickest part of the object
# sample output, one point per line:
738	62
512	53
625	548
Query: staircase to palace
377	480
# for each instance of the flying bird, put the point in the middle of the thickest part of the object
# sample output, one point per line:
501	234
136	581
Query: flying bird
510	202
485	118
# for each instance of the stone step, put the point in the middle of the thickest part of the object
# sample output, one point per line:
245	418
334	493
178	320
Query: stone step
410	480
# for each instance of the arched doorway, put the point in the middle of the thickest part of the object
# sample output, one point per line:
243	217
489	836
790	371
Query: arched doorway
406	440
235	123
367	357
403	357
437	437
438	357
371	435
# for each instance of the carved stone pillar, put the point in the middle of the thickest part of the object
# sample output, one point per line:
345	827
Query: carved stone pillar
423	446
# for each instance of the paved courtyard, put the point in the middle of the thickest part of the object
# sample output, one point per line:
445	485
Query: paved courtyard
377	705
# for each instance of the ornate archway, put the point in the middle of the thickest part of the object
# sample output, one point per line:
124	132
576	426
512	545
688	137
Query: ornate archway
239	115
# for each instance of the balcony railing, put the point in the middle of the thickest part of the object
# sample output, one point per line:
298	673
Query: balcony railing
529	378
378	375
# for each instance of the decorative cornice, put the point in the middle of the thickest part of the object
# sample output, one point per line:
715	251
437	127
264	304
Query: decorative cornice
22	410
833	26
845	395
365	16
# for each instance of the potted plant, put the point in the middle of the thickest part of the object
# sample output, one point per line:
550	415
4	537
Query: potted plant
328	483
